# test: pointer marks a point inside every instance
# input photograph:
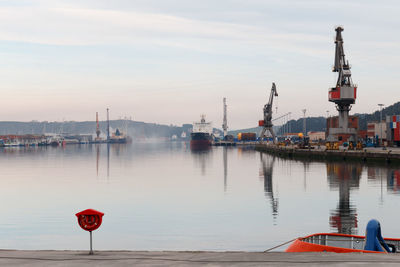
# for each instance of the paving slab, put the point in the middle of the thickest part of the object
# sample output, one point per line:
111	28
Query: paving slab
191	258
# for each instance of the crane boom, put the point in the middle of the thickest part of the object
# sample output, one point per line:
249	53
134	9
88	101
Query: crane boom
267	122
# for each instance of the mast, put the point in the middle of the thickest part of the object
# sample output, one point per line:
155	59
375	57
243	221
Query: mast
108	126
225	123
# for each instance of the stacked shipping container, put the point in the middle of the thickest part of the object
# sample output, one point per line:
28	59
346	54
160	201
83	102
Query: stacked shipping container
393	126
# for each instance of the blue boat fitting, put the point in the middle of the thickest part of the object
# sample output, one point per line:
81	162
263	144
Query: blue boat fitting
373	237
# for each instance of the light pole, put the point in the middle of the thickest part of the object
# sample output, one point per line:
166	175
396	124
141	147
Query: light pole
380	122
304	121
327	118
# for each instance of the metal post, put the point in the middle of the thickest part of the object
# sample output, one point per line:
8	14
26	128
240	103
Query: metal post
108	127
91	244
380	122
328	126
304	122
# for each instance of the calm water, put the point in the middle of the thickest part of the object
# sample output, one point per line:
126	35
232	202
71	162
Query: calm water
162	196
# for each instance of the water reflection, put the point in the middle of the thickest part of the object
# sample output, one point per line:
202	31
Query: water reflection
97	159
267	171
344	177
202	158
225	156
108	160
306	166
393	180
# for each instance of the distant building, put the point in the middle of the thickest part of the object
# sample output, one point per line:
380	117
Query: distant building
374	130
316	136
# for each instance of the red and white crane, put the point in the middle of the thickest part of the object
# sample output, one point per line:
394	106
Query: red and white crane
344	94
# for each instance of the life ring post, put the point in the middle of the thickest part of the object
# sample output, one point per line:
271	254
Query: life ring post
91	244
90	220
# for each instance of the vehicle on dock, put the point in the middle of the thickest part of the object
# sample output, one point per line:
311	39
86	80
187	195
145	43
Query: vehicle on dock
201	135
343	243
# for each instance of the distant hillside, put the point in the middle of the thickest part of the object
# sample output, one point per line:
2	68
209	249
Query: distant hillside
312	124
134	128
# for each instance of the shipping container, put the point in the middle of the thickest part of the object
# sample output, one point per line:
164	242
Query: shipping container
247	136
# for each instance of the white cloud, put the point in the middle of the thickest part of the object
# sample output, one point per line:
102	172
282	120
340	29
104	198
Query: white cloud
72	26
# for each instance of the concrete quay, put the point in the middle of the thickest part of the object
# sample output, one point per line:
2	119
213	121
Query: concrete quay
390	155
197	258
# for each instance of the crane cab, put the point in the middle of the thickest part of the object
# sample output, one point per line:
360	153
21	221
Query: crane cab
343	94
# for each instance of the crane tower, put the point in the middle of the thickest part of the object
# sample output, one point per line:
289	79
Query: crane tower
267	122
225	122
97	126
344	93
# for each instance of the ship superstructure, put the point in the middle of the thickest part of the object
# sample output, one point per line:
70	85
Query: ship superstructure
201	135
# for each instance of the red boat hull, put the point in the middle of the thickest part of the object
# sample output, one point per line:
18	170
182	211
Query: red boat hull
299	245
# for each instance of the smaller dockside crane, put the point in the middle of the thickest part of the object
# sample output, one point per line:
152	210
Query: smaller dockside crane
225	122
97	127
267	122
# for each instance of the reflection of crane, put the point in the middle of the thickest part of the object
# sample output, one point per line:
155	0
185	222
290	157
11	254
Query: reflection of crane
97	126
344	177
267	168
225	155
267	122
225	123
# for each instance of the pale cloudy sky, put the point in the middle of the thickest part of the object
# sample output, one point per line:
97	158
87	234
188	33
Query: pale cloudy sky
168	61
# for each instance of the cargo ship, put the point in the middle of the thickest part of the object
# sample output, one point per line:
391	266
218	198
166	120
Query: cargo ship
201	135
118	138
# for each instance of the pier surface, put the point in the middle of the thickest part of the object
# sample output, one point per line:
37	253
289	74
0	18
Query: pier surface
171	258
387	155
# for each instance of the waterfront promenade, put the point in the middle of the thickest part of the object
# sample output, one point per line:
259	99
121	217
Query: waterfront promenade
198	258
372	154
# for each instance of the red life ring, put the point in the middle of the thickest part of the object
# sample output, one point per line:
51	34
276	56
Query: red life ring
89	222
89	219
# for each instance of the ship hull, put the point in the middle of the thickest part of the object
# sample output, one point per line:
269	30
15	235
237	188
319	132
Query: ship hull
200	141
200	144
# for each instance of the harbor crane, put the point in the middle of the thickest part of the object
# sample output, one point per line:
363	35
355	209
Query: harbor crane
225	122
344	93
267	122
97	126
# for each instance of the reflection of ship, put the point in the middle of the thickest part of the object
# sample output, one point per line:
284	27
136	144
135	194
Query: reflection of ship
267	169
202	158
344	177
200	138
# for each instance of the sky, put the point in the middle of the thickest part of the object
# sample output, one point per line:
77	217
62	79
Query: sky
169	61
